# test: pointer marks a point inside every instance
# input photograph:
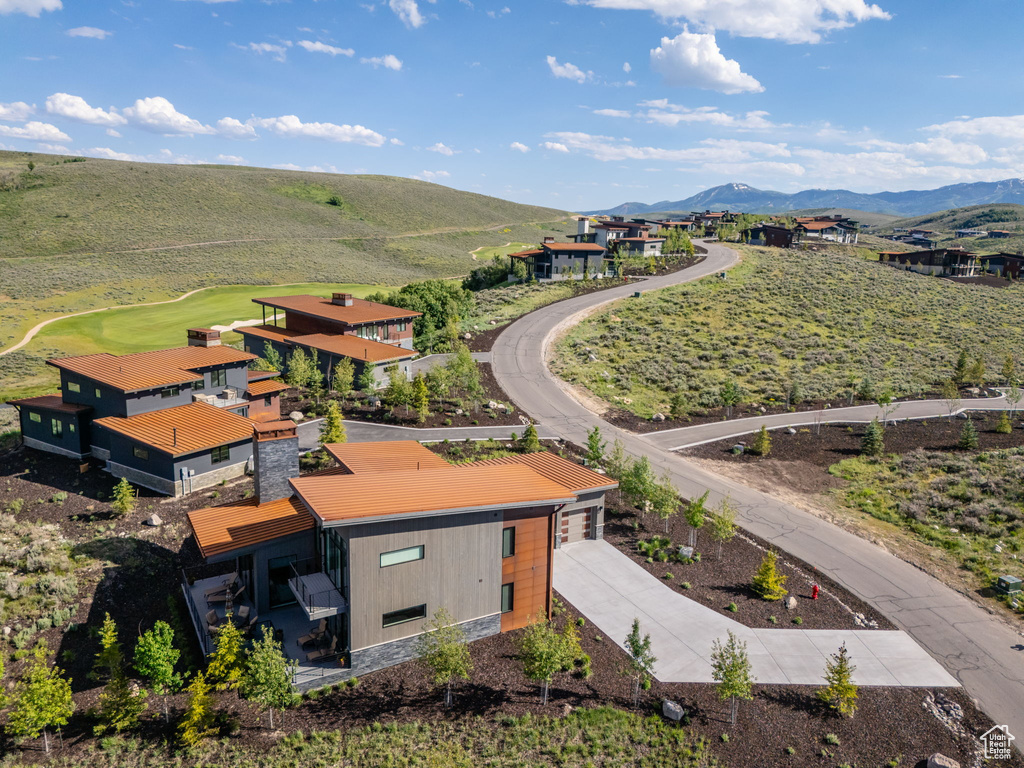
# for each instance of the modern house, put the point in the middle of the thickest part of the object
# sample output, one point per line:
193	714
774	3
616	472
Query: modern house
367	333
835	229
943	262
969	233
172	420
563	261
349	564
1003	264
1000	233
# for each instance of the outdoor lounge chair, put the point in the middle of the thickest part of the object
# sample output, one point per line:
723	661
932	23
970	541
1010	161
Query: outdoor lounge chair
314	634
329	651
243	614
212	619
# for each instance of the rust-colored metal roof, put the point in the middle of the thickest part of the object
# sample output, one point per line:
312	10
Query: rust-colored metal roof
524	254
246	523
266	387
50	403
149	370
183	429
261	375
391	456
573	247
365	350
341	498
566	473
360	312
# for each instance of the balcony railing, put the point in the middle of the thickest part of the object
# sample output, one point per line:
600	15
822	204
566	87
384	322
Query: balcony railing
314	590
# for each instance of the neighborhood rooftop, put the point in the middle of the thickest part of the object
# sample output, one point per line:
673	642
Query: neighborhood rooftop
246	523
388	457
566	473
355	347
183	429
356	312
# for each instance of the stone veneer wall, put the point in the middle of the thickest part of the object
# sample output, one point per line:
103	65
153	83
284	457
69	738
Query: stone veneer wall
174	487
39	445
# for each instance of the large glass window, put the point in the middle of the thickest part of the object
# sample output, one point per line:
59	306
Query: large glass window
57	427
334	558
507	597
399	556
198	384
508	541
393	618
98	394
169	392
219	378
220	453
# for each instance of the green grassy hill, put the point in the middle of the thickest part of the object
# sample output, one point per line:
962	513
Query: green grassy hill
1003	216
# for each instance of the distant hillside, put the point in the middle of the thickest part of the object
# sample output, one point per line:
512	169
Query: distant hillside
865	218
741	197
1009	217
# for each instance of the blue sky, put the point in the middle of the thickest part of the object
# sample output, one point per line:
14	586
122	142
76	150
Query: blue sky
577	105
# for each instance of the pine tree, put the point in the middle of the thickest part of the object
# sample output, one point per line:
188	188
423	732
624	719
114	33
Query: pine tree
197	723
873	442
866	390
121	703
332	428
641	660
368	379
444	652
124	499
155	658
595	448
768	583
730	668
723	523
226	662
960	369
110	658
272	357
840	692
976	373
299	369
316	377
1009	370
762	443
679	405
968	437
1004	426
695	512
41	700
344	377
529	442
267	679
420	397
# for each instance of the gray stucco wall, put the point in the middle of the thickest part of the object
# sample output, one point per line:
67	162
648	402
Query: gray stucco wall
301	546
109	403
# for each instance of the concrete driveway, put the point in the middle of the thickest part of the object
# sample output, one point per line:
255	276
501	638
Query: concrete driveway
611	590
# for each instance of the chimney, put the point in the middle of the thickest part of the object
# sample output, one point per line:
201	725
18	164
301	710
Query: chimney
583	226
342	299
203	337
275	456
549	240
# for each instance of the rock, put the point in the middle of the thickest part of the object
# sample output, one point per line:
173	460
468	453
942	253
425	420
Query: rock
762	409
672	710
686	551
939	760
153	521
458	411
7	631
592	357
998	548
790	603
737	450
567	710
492	405
791	431
296	416
658	417
493	322
467	336
961	416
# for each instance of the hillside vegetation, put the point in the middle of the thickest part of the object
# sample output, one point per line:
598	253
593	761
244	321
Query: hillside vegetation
824	322
1004	216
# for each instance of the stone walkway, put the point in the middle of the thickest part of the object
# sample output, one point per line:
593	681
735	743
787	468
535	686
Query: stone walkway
611	590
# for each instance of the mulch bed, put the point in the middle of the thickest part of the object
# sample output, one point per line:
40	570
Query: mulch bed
716	582
835	442
359	408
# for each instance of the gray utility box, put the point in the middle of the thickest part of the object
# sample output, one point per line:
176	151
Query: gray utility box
1008	585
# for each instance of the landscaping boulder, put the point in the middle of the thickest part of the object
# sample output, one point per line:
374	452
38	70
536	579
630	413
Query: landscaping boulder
939	760
686	551
738	449
153	521
492	404
672	710
790	603
467	336
791	431
658	417
296	416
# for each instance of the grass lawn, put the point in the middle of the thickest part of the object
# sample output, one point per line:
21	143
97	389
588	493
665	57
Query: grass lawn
485	255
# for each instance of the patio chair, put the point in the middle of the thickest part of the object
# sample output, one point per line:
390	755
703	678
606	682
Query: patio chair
212	619
329	651
243	614
314	634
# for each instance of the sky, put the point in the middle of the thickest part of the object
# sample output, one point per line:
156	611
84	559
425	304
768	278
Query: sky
573	104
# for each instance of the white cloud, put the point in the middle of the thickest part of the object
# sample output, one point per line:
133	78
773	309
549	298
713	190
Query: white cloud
950	77
397	142
16	111
627	67
30	7
115	134
388	61
792	21
291	127
502	12
34	131
567	70
76	108
555	146
939	148
666	113
216	2
312	47
408	12
431	175
279	52
694	60
613	112
111	154
158	115
93	32
184	47
235	129
287	166
231	159
607	148
1008	127
58	148
441	149
519	147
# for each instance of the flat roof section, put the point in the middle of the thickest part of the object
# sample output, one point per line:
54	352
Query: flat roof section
50	403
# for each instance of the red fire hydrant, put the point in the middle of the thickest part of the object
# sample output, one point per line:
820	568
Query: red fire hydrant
814	592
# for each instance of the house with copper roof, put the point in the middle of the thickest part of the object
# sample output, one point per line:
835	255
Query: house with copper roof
369	334
563	261
942	262
172	420
832	229
349	564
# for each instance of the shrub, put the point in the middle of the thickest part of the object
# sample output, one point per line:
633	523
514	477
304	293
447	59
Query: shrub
686	585
1004	426
768	583
733	607
831	738
968	437
798	620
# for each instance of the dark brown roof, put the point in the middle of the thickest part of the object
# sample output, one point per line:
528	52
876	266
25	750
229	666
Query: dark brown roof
50	403
246	523
365	350
360	312
183	429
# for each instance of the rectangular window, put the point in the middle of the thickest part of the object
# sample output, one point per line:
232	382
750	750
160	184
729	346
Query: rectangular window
198	384
57	427
73	387
268	400
140	453
169	392
71	427
35	417
97	393
507	597
508	541
399	556
394	618
402	325
219	378
219	454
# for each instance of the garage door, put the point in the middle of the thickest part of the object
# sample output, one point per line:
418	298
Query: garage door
577	524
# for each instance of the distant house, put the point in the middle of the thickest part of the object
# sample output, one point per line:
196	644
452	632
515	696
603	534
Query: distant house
1000	233
777	237
943	262
563	261
970	233
172	420
1004	264
831	230
367	333
682	225
372	548
641	246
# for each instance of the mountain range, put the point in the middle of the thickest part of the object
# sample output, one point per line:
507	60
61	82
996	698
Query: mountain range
741	197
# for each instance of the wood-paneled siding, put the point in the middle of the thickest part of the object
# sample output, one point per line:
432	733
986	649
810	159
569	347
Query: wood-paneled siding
529	569
459	571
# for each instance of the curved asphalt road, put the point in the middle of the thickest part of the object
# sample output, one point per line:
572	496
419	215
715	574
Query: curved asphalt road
979	650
